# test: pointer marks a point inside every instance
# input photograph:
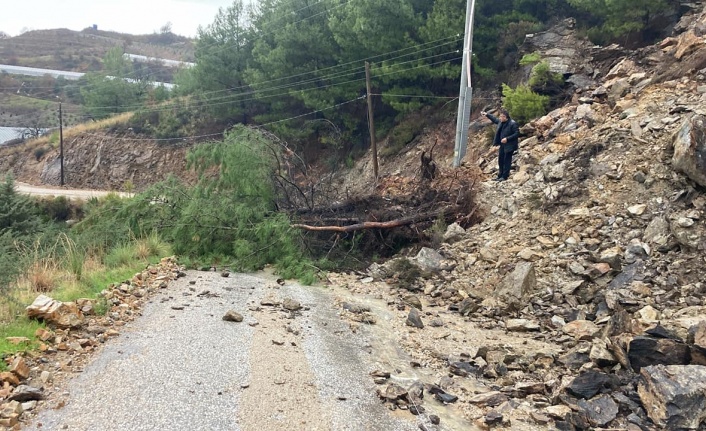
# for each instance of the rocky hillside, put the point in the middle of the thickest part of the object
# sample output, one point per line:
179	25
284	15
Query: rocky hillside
582	291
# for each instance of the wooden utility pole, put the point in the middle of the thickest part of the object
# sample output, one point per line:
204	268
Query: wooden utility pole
371	122
61	145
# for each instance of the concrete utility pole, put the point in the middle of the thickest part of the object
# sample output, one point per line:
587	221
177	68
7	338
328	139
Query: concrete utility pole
61	145
371	121
465	94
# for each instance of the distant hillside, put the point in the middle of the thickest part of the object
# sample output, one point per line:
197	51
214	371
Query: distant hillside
32	102
83	51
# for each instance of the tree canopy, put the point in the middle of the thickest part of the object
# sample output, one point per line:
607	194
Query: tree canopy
297	66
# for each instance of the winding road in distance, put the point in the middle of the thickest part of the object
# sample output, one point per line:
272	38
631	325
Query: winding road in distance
66	192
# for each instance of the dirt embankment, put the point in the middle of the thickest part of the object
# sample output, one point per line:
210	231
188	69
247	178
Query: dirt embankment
100	161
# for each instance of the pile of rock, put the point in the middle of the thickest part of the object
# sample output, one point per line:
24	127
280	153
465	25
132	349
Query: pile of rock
595	246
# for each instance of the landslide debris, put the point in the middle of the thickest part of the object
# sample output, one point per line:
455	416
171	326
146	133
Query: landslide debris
578	302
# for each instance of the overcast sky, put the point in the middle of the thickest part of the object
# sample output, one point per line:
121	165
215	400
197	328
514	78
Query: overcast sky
125	16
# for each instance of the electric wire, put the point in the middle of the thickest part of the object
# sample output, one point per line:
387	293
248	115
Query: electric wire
263	93
184	138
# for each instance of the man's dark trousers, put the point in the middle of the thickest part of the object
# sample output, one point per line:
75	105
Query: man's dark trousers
504	162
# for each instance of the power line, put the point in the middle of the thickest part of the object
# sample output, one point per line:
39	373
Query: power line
337	74
183	138
263	94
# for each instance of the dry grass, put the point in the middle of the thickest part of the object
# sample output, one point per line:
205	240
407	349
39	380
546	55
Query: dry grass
42	276
142	250
85	128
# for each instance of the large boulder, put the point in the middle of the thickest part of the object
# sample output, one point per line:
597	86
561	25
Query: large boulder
561	48
57	313
690	149
674	396
518	285
429	260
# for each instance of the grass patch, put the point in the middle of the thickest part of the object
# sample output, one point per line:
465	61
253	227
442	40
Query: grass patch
95	282
19	328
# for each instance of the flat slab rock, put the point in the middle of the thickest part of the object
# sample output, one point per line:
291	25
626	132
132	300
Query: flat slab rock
674	396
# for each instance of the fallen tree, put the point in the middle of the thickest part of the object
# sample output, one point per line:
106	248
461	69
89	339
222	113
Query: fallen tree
399	213
374	225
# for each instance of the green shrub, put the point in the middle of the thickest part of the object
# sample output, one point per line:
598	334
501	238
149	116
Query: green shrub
58	208
523	103
39	152
542	80
401	135
532	58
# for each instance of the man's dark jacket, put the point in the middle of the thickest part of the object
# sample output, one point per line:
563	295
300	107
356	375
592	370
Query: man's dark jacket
509	130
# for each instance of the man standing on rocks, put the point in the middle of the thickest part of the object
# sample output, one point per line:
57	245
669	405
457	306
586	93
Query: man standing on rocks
506	139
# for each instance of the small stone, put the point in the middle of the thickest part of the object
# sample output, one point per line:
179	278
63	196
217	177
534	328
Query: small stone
637	210
414	319
270	299
600	410
24	393
648	314
491	399
46	377
557	412
20	368
521	325
416	409
10	378
589	384
43	334
10	421
580	212
233	316
225	274
29	405
558	321
413	301
601	356
540	418
291	304
685	222
493	417
581	329
445	398
393	392
13	407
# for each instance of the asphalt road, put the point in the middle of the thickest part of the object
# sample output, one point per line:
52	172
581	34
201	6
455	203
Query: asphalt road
187	369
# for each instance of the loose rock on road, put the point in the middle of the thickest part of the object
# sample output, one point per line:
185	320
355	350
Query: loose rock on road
182	366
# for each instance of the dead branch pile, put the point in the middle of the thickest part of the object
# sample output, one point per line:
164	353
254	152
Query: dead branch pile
399	212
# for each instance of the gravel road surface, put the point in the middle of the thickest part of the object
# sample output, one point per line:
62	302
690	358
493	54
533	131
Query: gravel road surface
61	191
181	367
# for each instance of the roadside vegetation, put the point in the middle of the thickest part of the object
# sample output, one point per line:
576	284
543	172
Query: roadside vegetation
39	254
230	218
